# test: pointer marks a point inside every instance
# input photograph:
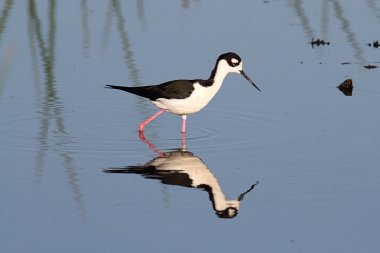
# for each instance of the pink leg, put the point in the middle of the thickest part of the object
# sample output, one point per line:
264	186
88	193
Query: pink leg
143	124
183	124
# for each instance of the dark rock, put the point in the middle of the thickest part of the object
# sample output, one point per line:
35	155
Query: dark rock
346	87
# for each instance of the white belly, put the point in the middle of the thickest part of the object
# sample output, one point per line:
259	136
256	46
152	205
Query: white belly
200	97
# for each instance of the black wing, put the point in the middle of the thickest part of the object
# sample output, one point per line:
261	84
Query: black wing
178	89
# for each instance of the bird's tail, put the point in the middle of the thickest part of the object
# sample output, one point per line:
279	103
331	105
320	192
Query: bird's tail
143	91
127	89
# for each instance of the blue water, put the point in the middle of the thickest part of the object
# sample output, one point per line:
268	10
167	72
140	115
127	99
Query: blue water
313	150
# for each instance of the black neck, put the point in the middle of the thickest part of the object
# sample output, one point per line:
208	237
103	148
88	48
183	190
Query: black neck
210	80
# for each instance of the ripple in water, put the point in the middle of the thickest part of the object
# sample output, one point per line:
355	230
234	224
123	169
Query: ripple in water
226	129
18	133
232	130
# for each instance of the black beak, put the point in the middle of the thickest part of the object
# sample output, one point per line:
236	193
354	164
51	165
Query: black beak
241	196
249	80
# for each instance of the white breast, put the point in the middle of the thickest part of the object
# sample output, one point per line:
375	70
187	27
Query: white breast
200	97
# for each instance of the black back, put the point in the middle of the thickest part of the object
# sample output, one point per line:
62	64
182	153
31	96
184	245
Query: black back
177	89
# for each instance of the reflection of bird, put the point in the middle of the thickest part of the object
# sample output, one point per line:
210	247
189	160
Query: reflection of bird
183	97
182	168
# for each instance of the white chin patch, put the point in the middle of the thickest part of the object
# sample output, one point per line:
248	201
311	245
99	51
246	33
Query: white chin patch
233	60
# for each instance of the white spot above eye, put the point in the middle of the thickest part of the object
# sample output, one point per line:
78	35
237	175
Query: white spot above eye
233	60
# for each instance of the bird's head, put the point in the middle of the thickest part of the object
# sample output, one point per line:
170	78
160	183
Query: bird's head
232	63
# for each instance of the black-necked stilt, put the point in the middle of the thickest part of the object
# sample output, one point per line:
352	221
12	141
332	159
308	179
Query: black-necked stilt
183	97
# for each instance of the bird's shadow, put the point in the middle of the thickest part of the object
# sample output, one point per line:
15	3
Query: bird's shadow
182	168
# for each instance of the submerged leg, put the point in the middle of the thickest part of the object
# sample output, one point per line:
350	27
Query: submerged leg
183	124
143	124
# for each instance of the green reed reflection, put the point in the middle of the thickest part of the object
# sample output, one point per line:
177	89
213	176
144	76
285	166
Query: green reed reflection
300	12
128	54
6	59
325	19
372	5
85	28
141	13
350	35
51	115
5	66
358	51
4	15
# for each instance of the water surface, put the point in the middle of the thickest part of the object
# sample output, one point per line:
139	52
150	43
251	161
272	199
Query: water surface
313	150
